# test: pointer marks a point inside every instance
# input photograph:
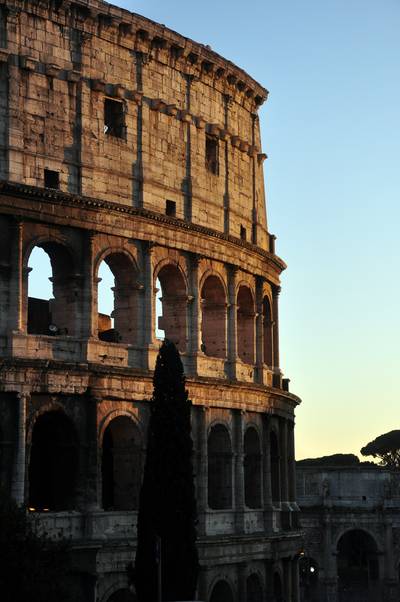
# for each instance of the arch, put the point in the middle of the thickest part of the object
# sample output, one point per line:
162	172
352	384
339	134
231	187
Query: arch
173	320
54	462
122	595
59	314
219	453
268	333
252	468
275	467
221	592
122	324
277	587
357	565
213	317
254	588
121	464
245	324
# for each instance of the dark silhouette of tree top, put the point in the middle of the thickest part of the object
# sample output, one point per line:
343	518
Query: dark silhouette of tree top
167	509
386	447
332	460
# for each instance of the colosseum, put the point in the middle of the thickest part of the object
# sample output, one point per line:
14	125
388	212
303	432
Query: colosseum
126	145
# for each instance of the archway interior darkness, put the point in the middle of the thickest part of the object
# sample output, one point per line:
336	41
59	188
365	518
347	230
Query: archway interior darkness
121	465
245	325
213	322
173	299
219	468
275	470
308	575
268	332
252	468
117	299
278	590
221	592
53	292
53	466
122	595
254	589
357	562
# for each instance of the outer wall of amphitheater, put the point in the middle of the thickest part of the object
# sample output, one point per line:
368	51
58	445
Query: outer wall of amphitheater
123	142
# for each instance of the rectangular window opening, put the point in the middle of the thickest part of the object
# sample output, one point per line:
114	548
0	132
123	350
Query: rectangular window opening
51	179
243	233
212	154
114	118
170	208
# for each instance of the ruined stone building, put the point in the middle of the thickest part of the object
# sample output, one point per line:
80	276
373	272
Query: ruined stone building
351	522
124	143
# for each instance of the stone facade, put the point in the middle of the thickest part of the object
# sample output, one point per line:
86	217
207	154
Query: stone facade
351	520
124	142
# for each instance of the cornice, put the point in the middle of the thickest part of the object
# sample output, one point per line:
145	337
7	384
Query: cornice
46	195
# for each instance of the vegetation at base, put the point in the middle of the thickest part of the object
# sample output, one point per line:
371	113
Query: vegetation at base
386	448
31	566
167	510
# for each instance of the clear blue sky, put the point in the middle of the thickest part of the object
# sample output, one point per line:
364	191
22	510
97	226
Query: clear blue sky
331	129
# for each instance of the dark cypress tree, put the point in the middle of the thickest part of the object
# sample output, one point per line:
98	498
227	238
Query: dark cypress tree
167	507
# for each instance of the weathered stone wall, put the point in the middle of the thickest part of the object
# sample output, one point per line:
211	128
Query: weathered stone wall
104	117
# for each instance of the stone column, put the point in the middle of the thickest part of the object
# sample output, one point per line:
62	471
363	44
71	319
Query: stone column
389	563
232	321
18	481
259	330
148	305
89	296
329	583
194	312
93	475
16	284
283	435
242	582
201	467
292	472
238	488
295	579
287	580
267	493
275	313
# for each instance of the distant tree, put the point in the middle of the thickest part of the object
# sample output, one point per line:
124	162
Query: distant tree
332	460
167	508
386	447
31	566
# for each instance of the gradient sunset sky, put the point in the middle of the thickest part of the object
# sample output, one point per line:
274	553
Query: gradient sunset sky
331	129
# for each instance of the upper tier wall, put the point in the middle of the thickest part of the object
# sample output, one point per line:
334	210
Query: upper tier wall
123	109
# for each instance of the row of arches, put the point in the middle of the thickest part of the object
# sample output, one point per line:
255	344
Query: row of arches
55	464
220	468
55	299
222	591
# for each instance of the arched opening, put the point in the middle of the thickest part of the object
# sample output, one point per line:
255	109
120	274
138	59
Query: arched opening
358	566
213	322
122	595
121	465
53	291
221	592
172	305
118	310
278	590
53	467
245	325
252	468
268	332
275	470
308	576
254	589
219	468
